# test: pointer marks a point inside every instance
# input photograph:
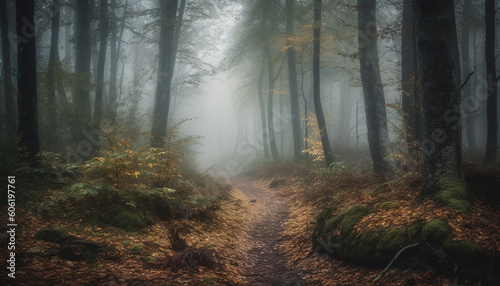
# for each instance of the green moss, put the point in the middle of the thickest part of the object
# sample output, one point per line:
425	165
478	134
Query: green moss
436	231
126	242
416	230
389	205
125	219
325	213
452	192
55	234
467	253
136	248
383	188
150	259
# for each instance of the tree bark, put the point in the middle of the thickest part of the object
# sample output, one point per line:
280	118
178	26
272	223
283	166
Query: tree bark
103	42
292	80
262	106
439	75
26	81
10	102
491	77
410	99
270	101
51	87
165	72
81	95
466	91
376	119
316	84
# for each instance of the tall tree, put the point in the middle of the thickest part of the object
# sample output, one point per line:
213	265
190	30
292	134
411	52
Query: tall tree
81	95
270	101
439	75
262	105
169	38
51	70
26	80
103	42
410	100
467	90
10	104
491	77
316	84
376	119
292	80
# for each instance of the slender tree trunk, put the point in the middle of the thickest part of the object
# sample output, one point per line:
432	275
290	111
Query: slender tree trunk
491	77
270	101
10	103
292	79
26	81
376	119
81	95
51	87
113	73
103	42
165	72
316	84
262	106
466	91
442	169
410	98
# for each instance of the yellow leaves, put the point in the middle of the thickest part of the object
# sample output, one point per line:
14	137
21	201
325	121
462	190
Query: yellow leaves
150	165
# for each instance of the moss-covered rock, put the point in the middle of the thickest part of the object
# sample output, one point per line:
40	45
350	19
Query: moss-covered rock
125	219
382	189
467	253
389	205
452	192
54	234
136	248
150	259
436	231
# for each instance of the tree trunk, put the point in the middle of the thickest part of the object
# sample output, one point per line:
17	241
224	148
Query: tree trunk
439	75
376	119
113	58
409	98
51	87
466	91
165	72
316	84
103	42
26	81
270	101
81	95
262	106
292	79
10	102
491	77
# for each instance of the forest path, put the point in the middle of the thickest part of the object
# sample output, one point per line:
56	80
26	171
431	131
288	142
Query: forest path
264	262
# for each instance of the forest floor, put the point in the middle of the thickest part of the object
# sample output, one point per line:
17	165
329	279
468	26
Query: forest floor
259	236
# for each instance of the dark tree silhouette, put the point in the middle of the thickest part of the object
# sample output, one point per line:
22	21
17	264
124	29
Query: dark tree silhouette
292	79
491	77
10	102
316	84
169	38
26	81
439	75
410	99
376	119
103	42
51	70
81	94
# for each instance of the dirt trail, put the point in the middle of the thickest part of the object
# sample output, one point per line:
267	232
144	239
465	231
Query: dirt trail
263	259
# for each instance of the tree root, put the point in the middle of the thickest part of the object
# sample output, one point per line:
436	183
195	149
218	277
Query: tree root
422	241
